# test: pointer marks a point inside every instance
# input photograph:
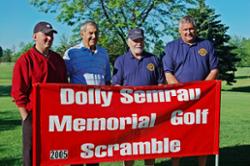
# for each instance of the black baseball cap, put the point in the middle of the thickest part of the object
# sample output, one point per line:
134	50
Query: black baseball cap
136	33
44	27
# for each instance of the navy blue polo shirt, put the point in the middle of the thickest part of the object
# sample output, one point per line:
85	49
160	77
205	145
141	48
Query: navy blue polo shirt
189	62
129	71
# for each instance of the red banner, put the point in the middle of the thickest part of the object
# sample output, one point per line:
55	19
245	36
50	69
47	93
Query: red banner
75	124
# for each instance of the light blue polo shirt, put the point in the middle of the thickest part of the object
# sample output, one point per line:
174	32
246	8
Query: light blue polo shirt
87	67
189	62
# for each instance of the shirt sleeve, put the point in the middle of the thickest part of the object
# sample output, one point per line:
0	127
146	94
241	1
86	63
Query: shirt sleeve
67	61
108	71
118	72
21	84
167	60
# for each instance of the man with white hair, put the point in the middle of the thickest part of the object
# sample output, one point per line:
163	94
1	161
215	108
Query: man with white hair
88	63
137	68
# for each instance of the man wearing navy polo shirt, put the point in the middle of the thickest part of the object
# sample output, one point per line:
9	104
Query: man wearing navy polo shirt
137	68
87	63
187	59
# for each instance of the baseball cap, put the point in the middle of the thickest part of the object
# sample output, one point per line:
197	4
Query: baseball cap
136	33
43	27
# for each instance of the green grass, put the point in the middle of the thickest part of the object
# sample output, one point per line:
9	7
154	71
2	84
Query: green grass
234	131
10	133
6	73
235	119
243	81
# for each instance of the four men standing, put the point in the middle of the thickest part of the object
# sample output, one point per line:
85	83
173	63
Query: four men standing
186	59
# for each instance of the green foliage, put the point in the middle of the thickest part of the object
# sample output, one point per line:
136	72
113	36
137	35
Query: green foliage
64	44
159	48
1	52
242	50
23	48
209	27
158	18
115	18
7	54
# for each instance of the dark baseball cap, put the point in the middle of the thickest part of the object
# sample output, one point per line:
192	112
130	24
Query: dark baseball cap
136	33
44	27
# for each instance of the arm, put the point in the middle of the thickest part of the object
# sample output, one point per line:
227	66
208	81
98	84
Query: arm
20	90
108	71
117	78
169	64
68	65
212	75
170	78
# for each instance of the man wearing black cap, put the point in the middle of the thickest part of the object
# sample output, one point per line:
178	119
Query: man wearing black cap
38	65
137	68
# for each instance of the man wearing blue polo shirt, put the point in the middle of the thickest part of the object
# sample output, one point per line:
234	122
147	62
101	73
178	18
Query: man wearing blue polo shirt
87	63
137	68
187	59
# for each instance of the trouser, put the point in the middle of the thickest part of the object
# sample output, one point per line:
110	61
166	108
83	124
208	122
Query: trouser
147	162
27	140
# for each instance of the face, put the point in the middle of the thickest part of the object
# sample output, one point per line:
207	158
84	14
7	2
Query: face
187	32
43	41
136	46
89	36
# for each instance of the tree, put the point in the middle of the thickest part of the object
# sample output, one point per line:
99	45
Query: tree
64	44
209	27
1	52
245	56
23	48
7	54
116	17
242	50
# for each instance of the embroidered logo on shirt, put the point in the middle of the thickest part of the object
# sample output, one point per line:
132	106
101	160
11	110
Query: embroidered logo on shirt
151	67
202	52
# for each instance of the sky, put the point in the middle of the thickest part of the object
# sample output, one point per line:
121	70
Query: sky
18	18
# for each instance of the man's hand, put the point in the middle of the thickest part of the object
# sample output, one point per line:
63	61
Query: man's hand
170	78
23	112
212	75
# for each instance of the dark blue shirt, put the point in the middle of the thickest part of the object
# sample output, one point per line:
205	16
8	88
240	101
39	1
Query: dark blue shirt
189	62
129	71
